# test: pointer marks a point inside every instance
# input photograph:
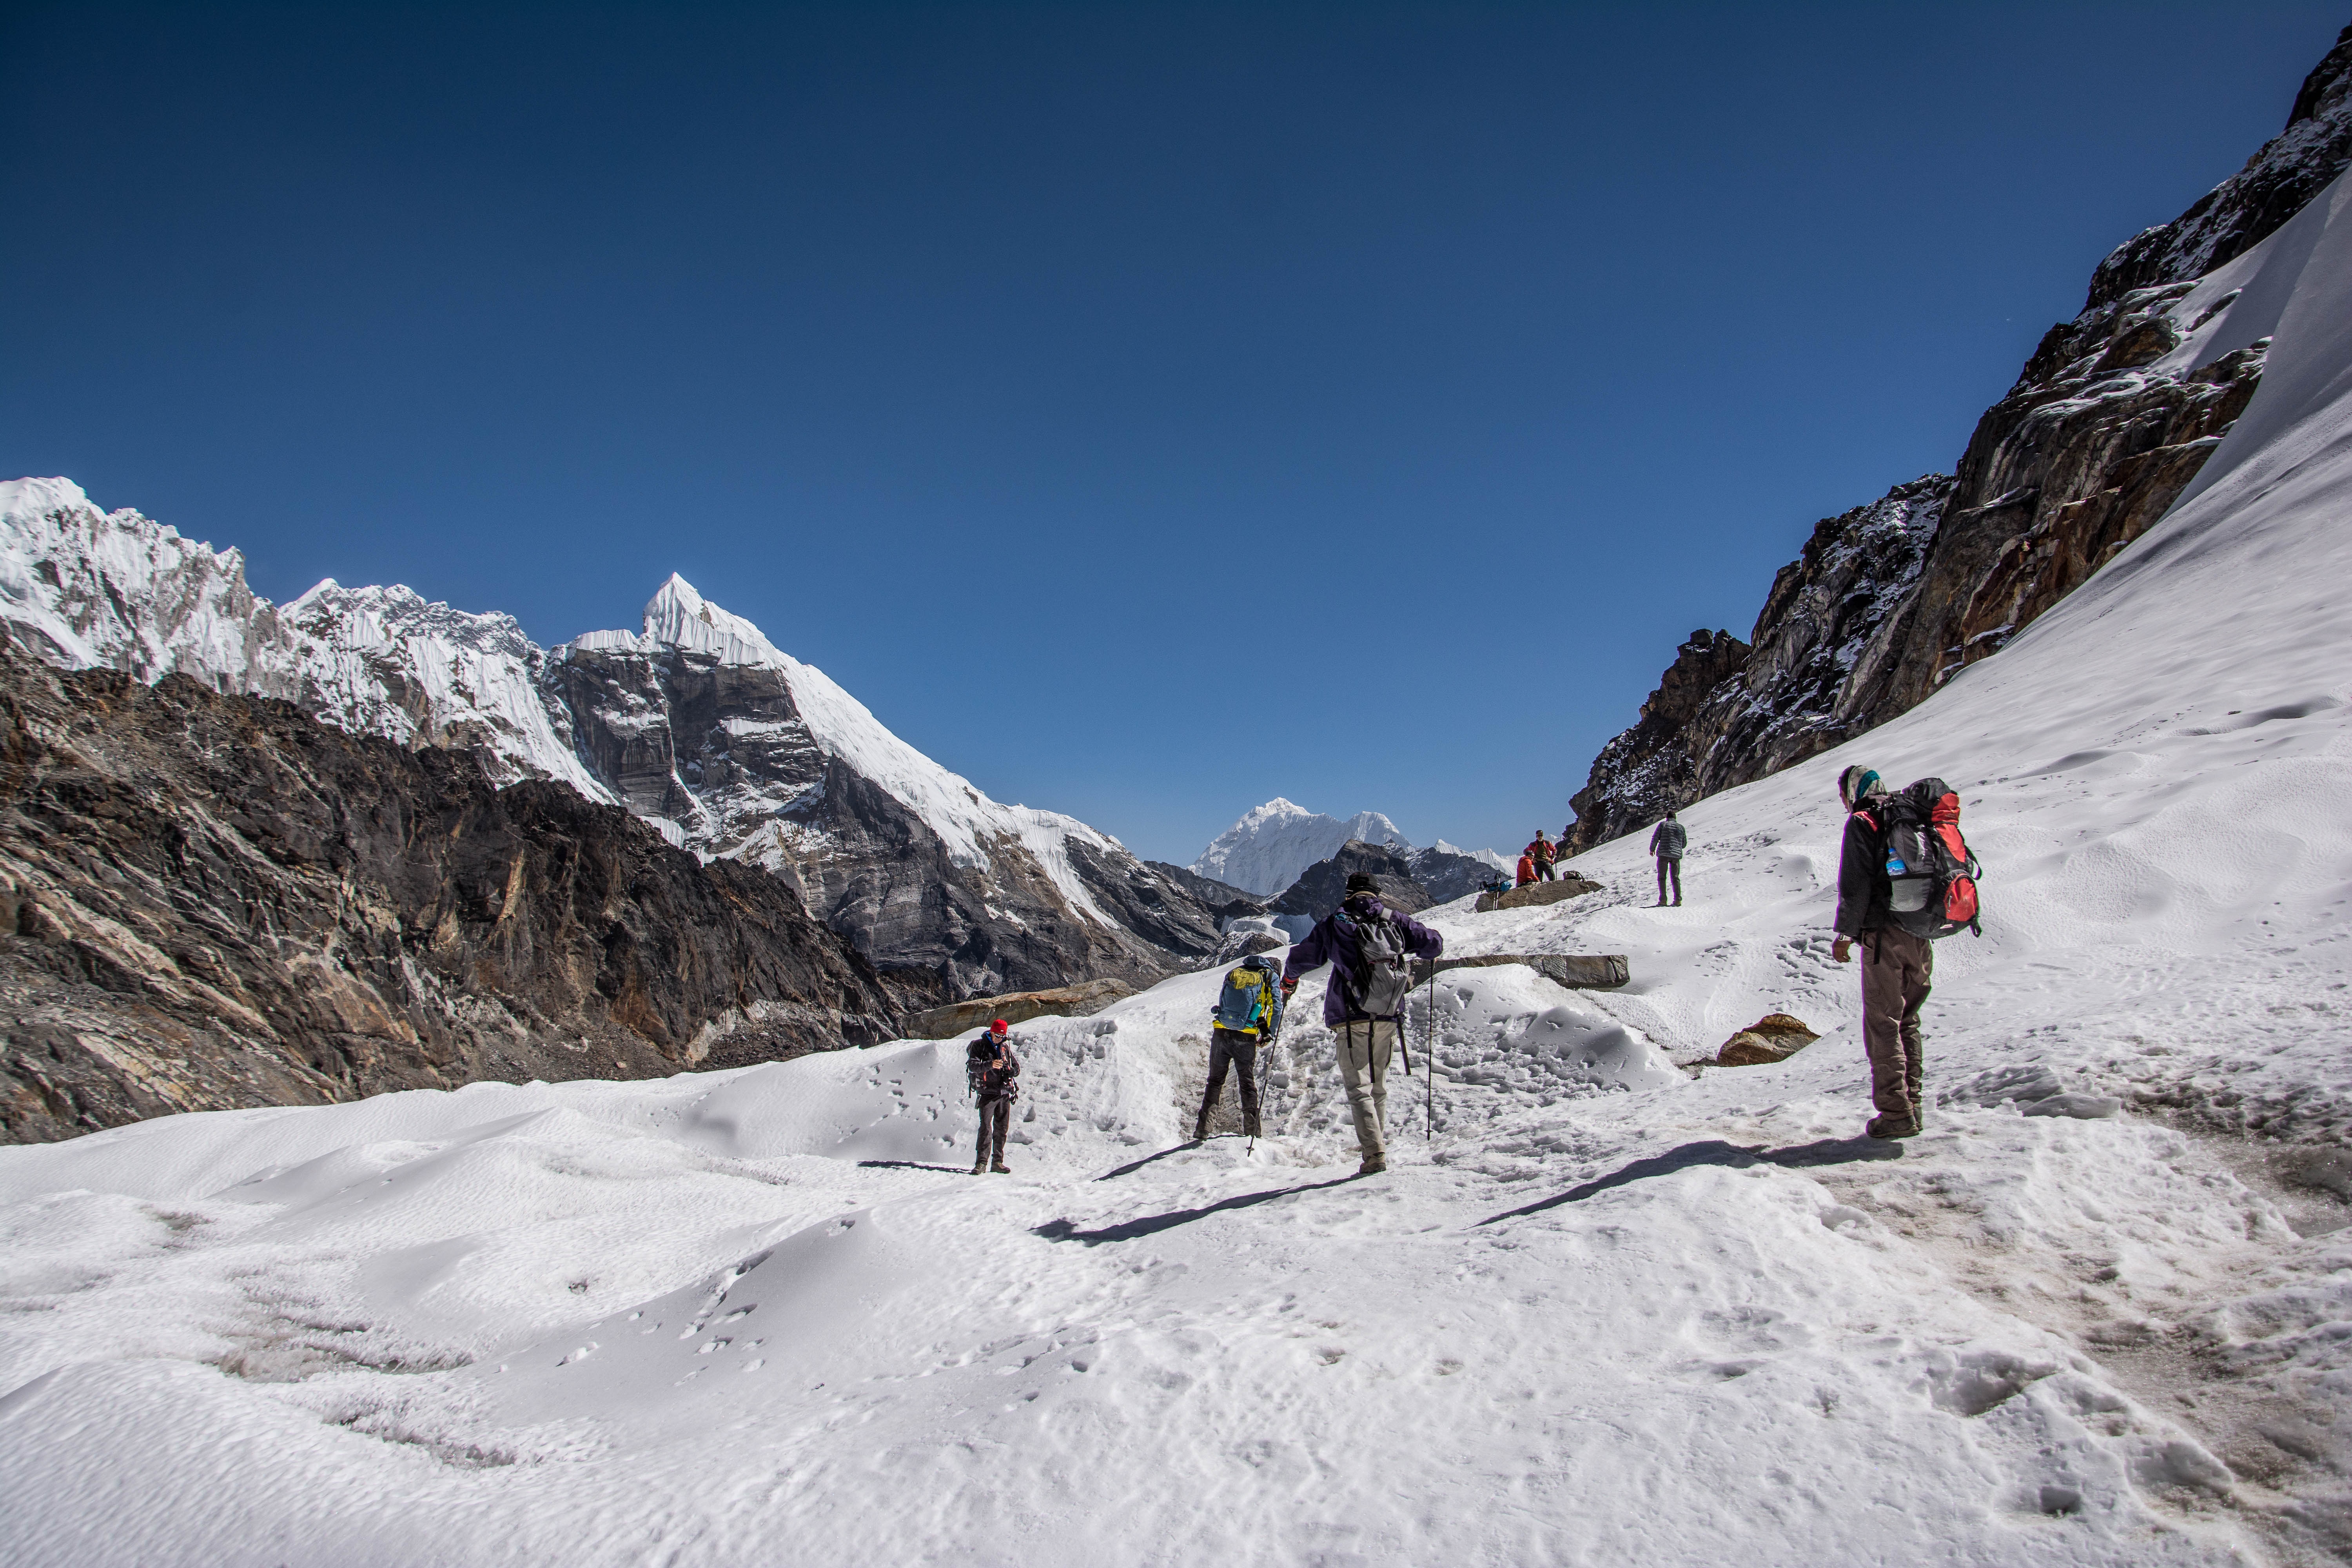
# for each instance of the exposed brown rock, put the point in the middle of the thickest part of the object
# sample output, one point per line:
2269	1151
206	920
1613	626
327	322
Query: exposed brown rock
1065	1001
213	901
1774	1038
1568	886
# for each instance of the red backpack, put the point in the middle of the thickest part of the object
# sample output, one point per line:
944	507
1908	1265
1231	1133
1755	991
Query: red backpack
1931	875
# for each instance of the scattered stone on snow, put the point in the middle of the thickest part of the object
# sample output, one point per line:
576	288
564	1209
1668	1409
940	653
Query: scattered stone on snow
1570	886
1774	1038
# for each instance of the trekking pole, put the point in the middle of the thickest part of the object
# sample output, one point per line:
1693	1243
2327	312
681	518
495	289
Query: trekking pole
1429	1055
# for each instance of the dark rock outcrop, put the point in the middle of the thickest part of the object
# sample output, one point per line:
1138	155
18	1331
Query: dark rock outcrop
1446	877
210	901
1323	886
1652	766
722	747
1222	900
2086	451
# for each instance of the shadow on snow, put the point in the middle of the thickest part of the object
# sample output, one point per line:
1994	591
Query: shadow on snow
1152	1225
1715	1151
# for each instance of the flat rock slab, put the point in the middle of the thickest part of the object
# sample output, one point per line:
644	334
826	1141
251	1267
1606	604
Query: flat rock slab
1570	886
1018	1007
1576	970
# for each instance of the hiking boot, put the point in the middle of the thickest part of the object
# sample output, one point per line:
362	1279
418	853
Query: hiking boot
1250	1128
1373	1165
1201	1129
980	1168
1678	903
1892	1127
1001	1169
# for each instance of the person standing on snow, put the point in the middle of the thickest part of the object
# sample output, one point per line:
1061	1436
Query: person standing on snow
1367	944
1896	966
1542	852
1248	1015
993	1070
1666	844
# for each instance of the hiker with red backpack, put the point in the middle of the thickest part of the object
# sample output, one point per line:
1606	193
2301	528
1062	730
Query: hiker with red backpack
1905	879
1370	948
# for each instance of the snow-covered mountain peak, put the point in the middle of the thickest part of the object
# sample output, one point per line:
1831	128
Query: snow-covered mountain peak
680	617
1269	845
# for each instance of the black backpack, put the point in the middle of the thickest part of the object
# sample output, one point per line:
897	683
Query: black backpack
1383	965
1931	877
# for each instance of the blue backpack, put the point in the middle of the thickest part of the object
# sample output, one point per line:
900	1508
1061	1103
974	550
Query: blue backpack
1251	1001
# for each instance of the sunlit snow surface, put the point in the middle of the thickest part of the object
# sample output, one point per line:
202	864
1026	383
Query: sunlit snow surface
1610	1316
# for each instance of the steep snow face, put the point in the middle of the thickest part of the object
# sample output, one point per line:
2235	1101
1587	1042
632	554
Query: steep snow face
87	589
1266	850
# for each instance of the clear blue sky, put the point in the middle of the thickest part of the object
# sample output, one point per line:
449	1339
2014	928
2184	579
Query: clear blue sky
1145	410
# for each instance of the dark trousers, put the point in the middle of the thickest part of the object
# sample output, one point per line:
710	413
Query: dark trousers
1896	970
995	1121
1670	865
1239	1052
1543	870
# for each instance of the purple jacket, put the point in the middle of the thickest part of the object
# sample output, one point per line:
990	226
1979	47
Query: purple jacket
1325	944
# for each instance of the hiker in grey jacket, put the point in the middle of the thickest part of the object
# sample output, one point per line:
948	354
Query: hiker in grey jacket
1666	844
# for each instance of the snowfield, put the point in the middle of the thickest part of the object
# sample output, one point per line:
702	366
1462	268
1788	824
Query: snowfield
2101	1312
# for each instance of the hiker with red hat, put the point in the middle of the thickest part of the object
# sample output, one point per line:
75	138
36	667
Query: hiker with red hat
992	1071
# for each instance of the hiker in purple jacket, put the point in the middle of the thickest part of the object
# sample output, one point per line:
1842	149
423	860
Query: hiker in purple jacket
1366	1040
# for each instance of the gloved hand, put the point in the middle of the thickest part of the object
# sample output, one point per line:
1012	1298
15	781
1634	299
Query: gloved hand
1289	985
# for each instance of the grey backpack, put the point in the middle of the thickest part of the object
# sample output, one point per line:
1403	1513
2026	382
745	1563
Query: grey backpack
1383	967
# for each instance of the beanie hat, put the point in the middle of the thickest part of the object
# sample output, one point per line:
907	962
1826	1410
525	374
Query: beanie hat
998	1026
1362	882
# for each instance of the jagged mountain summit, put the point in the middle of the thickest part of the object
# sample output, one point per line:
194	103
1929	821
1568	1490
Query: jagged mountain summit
698	724
1266	849
2107	426
1270	848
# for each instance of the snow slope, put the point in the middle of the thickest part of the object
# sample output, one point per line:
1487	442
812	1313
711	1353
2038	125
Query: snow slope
1608	1315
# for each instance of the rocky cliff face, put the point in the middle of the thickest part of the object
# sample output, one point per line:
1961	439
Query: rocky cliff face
211	900
1323	887
2106	426
698	724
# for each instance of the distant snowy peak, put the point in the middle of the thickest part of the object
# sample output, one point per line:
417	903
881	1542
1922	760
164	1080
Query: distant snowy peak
1266	850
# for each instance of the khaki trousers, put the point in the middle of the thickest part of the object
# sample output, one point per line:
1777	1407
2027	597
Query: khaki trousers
1365	1045
1896	970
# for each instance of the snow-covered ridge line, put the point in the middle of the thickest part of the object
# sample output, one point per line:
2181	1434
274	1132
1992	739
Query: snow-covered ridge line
90	589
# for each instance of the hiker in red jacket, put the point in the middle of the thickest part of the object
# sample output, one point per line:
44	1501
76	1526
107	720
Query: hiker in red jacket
1527	869
1542	852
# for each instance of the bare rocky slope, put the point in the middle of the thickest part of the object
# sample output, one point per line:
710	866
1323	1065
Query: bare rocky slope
2105	428
210	900
698	724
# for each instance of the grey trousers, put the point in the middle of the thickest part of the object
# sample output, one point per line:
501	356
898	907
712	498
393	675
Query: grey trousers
1365	1047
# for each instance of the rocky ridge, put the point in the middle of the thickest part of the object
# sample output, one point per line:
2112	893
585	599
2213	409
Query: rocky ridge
2107	425
696	723
211	900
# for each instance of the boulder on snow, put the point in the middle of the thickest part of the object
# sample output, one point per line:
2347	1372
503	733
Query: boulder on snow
1570	886
1774	1038
1576	971
1019	1007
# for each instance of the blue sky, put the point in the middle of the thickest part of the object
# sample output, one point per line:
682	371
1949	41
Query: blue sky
1146	410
